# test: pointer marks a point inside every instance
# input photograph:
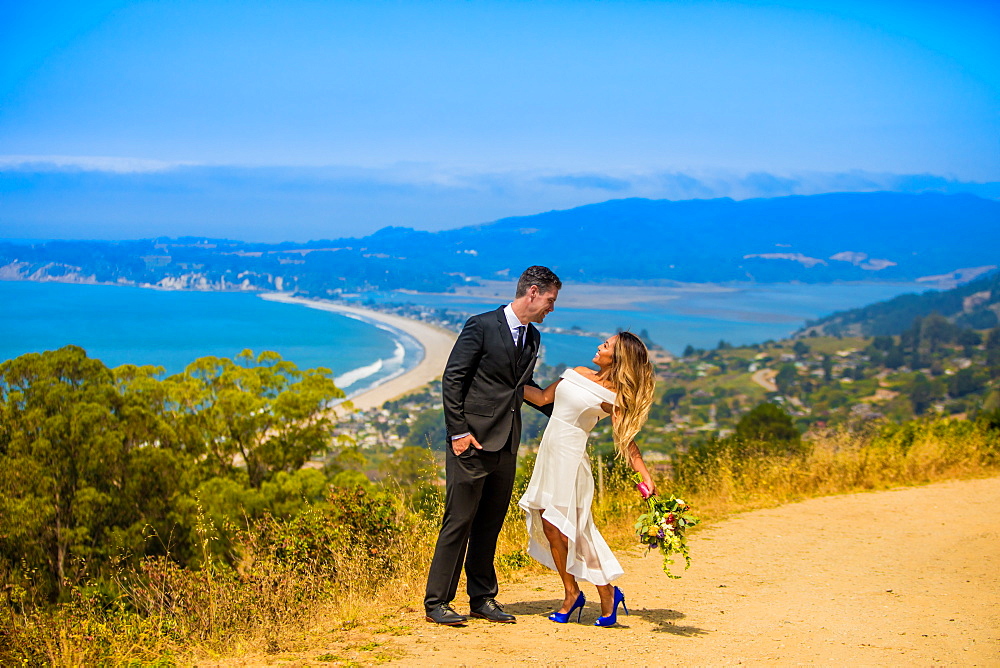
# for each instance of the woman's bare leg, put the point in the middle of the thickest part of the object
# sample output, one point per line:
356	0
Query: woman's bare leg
559	546
607	593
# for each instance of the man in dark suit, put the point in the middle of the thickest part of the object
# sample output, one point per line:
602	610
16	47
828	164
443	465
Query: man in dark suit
483	388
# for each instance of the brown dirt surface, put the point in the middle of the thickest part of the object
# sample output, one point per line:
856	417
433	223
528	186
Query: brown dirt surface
903	577
765	378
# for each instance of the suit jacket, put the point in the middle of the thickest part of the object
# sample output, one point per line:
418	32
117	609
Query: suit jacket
483	382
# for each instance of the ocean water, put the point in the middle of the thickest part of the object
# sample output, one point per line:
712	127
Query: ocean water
171	329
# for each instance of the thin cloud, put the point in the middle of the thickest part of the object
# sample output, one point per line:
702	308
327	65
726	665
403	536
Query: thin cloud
589	182
56	163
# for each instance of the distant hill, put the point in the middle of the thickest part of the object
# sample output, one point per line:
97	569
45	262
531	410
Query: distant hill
814	239
819	238
975	305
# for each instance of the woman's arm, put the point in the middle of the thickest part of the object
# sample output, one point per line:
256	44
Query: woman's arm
633	455
639	466
541	397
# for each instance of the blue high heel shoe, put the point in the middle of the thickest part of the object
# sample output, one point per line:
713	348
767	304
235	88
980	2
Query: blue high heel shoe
612	619
563	617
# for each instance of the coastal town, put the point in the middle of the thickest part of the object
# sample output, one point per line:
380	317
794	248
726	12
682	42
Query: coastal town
819	381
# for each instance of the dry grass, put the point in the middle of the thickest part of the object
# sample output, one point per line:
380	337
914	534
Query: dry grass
340	581
842	461
327	568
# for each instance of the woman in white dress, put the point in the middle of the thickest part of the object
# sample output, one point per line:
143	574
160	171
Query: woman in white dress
558	500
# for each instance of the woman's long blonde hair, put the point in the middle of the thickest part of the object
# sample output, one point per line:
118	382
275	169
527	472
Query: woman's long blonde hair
631	374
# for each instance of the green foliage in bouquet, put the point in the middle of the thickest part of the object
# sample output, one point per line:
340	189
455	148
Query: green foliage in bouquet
665	527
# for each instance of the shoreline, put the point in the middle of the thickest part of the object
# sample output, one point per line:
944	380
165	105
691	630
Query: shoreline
435	342
671	316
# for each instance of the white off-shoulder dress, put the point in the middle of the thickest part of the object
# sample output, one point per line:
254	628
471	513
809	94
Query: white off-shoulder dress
562	485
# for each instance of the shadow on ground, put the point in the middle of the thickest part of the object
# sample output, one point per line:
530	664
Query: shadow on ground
664	620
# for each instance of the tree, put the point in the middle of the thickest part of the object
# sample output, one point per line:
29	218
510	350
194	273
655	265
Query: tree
966	381
895	358
767	429
260	413
411	466
989	414
800	348
993	339
428	430
827	368
935	330
673	395
921	393
347	468
348	458
79	464
968	339
786	379
883	343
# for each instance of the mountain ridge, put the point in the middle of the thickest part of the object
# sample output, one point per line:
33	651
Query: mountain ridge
806	238
757	239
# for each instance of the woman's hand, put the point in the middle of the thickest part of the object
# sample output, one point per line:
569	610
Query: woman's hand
639	466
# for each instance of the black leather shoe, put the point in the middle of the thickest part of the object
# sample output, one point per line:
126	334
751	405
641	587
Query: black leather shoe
493	611
445	614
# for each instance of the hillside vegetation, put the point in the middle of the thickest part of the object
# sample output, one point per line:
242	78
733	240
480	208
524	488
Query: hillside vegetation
974	305
935	365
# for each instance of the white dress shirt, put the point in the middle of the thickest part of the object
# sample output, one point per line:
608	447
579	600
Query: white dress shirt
513	322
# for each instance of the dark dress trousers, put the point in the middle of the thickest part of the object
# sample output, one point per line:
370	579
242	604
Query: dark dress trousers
483	388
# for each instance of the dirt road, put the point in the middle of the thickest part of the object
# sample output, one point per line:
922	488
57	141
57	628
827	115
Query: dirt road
765	378
903	577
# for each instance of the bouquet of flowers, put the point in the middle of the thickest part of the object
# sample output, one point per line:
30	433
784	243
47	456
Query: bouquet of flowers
664	526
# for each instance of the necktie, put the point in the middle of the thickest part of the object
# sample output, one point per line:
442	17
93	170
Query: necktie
520	339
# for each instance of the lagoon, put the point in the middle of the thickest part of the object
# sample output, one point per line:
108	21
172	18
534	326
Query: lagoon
673	317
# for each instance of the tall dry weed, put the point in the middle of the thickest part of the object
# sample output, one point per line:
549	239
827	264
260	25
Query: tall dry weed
875	456
281	577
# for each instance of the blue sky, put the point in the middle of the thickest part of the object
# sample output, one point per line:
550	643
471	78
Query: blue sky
297	120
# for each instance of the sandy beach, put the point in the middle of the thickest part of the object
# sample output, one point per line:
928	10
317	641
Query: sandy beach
435	341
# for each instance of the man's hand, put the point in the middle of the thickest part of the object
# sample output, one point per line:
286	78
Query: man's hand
460	445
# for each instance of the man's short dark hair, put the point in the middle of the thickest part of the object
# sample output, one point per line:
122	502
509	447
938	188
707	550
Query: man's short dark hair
540	276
